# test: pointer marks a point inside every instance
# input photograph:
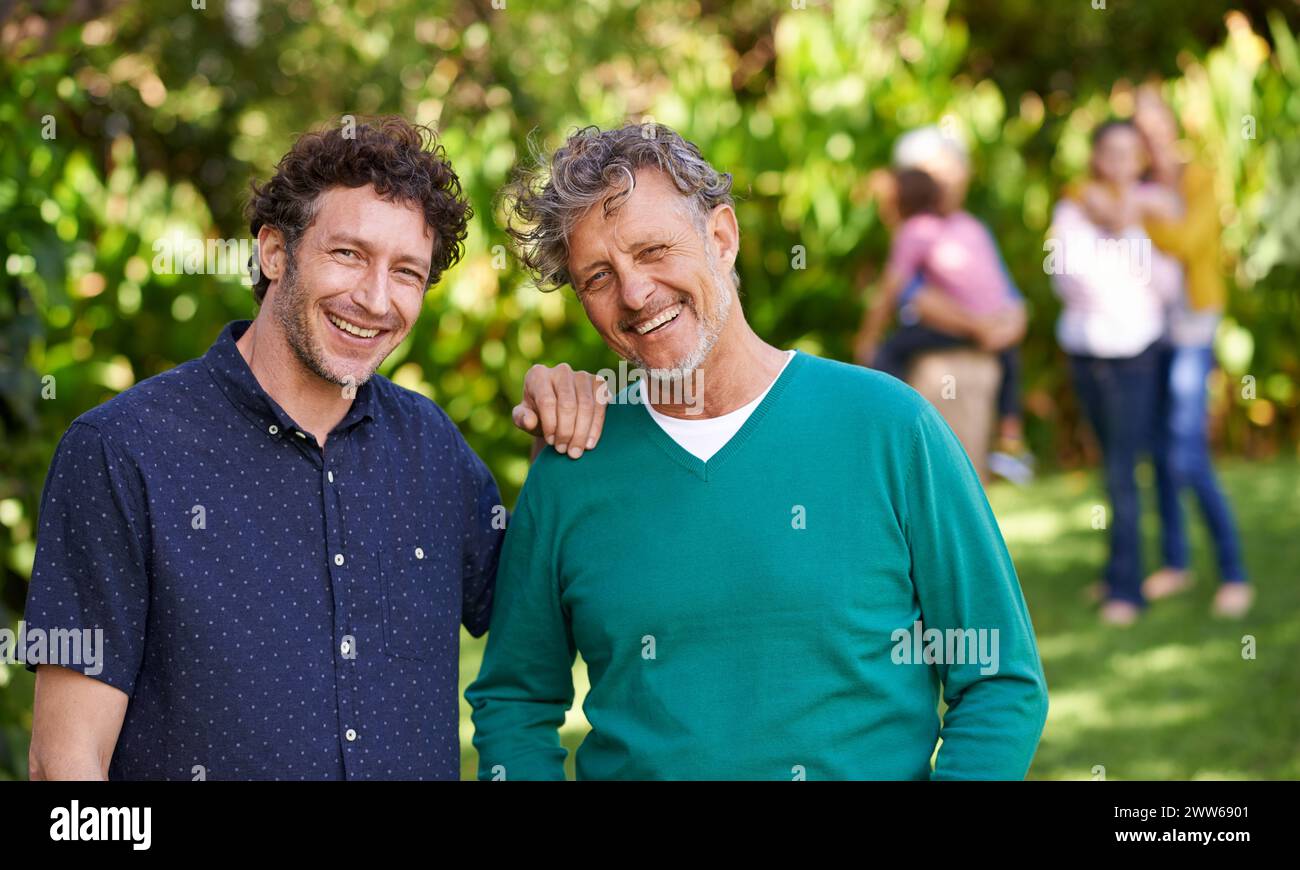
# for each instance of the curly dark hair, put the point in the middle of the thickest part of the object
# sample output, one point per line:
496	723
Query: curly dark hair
403	161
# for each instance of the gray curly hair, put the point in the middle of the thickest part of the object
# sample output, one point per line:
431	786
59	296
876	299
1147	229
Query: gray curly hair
545	200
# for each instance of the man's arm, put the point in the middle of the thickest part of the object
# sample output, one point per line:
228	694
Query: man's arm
965	581
75	723
525	684
560	407
485	525
89	576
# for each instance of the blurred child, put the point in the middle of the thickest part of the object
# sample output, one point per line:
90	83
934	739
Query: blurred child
955	254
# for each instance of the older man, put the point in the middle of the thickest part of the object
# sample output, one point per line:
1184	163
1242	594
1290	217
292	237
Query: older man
275	546
762	590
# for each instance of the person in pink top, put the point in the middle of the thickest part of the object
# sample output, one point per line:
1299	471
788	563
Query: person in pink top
953	254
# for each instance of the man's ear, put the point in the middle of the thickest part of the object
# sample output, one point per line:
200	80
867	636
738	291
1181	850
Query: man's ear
724	233
271	252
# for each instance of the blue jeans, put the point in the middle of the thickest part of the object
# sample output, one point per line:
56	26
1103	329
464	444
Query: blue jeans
1118	397
1182	460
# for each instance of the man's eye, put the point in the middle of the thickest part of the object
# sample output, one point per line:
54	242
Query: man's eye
654	250
345	251
596	280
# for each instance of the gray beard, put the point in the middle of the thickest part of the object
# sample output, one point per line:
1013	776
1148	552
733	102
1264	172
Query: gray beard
710	328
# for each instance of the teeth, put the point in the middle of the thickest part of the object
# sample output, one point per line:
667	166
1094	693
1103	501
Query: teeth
662	318
352	328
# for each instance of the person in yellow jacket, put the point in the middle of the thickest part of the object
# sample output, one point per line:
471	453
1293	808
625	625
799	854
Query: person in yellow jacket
1191	234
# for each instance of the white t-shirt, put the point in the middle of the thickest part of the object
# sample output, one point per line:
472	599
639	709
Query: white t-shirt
705	436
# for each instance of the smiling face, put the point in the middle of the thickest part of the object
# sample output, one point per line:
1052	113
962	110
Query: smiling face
1119	157
355	284
651	277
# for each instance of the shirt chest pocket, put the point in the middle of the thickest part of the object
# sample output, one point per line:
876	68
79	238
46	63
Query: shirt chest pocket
421	601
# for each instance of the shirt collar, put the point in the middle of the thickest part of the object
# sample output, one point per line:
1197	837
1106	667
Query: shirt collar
231	372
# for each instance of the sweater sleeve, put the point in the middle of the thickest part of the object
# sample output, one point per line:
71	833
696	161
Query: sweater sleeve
965	581
525	684
1199	226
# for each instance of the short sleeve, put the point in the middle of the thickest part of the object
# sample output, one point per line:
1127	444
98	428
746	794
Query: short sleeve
485	526
89	593
525	684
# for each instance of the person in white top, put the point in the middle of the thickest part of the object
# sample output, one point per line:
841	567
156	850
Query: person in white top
1114	285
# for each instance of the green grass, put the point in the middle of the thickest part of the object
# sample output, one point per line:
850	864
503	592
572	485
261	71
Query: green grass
1169	698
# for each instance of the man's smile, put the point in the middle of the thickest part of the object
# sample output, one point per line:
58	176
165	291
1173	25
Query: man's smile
352	330
665	316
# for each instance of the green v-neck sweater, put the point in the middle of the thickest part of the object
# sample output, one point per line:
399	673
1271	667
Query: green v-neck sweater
789	609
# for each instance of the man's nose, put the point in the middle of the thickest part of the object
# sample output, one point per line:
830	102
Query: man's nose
373	293
635	289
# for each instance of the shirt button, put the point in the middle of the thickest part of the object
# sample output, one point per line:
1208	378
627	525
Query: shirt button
273	429
299	434
329	475
350	735
345	647
419	553
338	558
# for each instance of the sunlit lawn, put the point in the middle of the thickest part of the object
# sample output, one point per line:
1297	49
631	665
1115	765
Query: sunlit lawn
1170	698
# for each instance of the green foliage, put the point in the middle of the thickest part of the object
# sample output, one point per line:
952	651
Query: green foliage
162	114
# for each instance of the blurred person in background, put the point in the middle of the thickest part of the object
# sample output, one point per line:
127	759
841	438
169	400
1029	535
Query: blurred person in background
948	282
1114	287
1190	231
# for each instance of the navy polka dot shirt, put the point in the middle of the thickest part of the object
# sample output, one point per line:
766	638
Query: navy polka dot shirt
274	611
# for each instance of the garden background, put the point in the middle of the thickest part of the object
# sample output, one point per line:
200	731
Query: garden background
125	123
